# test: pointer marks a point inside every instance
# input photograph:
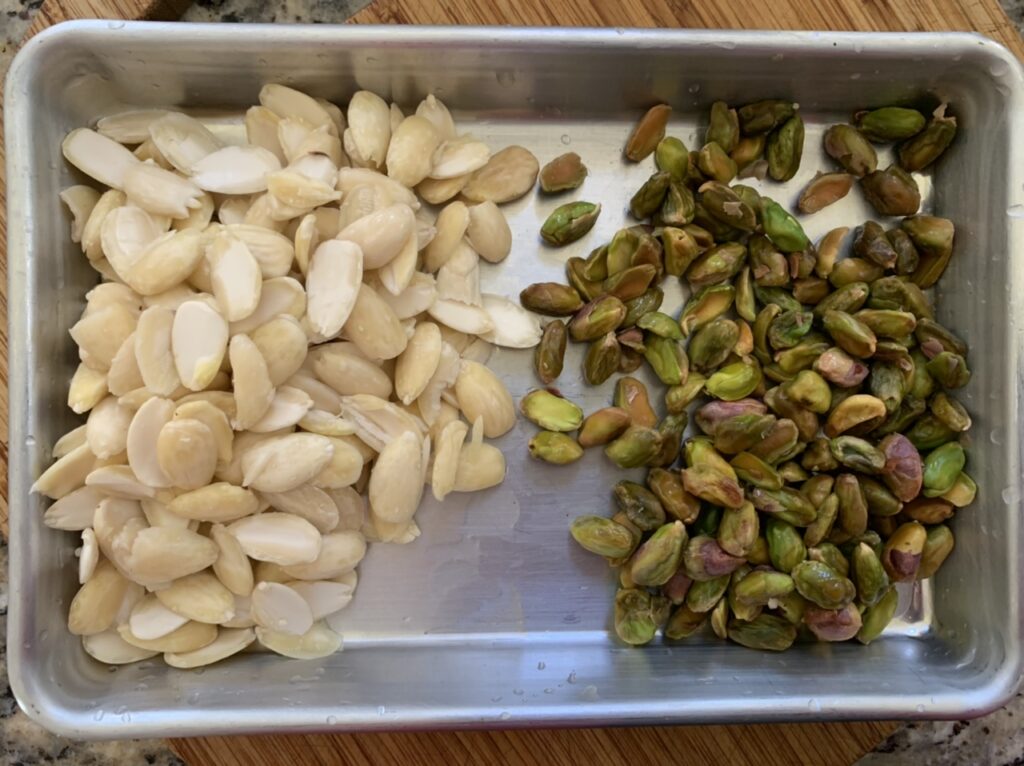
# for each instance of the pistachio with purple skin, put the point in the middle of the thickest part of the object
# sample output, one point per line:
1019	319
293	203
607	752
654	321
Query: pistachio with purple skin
738	530
667	486
740	432
822	585
676	588
786	504
709	416
704	559
854	413
901	555
712	485
833	624
903	472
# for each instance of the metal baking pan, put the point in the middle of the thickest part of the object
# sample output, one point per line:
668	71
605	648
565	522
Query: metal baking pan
493	617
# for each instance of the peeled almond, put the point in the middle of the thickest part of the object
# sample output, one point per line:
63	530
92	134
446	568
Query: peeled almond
148	151
199	597
459	278
100	334
151	620
189	637
285	462
273	251
340	553
199	336
318	142
116	523
251	380
351	509
73	438
349	178
142	441
458	157
87	389
291	135
282	295
398	534
277	607
343	469
235	276
110	648
396	484
307	238
286	409
514	326
451	226
369	125
98	156
124	374
324	397
182	140
349	373
161	554
488	232
434	110
261	130
324	596
299	191
381	234
229	641
92	233
125	234
438	191
481	393
373	326
446	458
74	511
95	605
232	566
88	556
418	296
174	296
159	515
308	502
462	317
153	350
215	420
222	400
333	284
131	127
65	475
107	428
397	273
378	422
242	618
479	350
166	262
282	343
235	170
417	364
508	175
160	191
288	102
111	292
80	200
359	202
118	481
187	453
411	150
481	466
267	571
232	210
218	502
262	212
318	642
279	538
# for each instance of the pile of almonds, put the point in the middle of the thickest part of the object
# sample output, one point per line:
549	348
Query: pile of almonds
279	358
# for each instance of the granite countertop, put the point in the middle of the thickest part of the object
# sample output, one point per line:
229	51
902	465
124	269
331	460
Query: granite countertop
991	740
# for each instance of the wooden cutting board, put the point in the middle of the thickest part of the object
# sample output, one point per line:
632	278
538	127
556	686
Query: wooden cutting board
810	744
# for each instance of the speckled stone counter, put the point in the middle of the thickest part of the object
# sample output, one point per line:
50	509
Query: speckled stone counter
992	741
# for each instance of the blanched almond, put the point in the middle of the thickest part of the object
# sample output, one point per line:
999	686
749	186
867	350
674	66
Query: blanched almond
222	400
378	422
320	141
286	409
396	483
182	140
307	238
434	110
373	326
235	170
148	151
488	232
514	326
117	522
291	135
459	278
125	234
100	333
104	294
343	469
160	191
166	262
282	343
416	298
318	642
324	597
124	374
381	234
235	277
263	213
80	201
217	502
107	428
66	474
458	157
189	637
288	102
87	389
253	389
282	295
324	397
73	438
324	423
461	317
215	420
130	127
98	156
229	641
261	130
418	363
199	597
479	350
285	462
95	605
118	481
277	607
151	620
268	571
309	502
481	393
153	350
508	175
397	273
332	285
187	453
162	554
349	178
340	552
386	532
92	244
438	191
74	511
349	373
272	250
351	509
110	648
242	618
411	150
446	458
481	465
159	515
369	125
88	556
199	338
451	226
232	566
279	538
300	191
199	217
142	441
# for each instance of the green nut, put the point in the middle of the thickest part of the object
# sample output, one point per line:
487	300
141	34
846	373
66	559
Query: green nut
549	356
650	301
678	208
677	398
927	146
901	555
715	163
887	323
638	615
850	334
767	632
824	189
768	266
782	229
829	555
782	405
705	306
713	486
786	548
907	257
597	318
680	250
713	343
785	148
887	383
937	547
857	454
569	222
704	559
631	395
746	305
949	369
819	529
753	470
848	146
935	338
587	289
671	156
707	522
640	505
704	596
635	447
822	585
933	238
661	325
564	172
740	432
551	298
602	536
648	132
875	618
761	587
897	293
903	468
719	264
684	622
892	191
671	430
720	619
764	116
629	283
849	298
667	358
667	486
779	443
648	198
872	243
554	447
922	385
550	412
657	559
868	575
725	205
723	126
928	432
854	269
603	426
738	530
818	456
890	123
601	360
749	149
929	510
735	381
963	491
853	506
789	327
596	264
833	624
809	390
942	466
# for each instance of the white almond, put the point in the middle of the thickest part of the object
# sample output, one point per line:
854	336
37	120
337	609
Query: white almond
242	618
182	140
100	334
74	511
153	350
373	326
417	364
309	502
418	296
508	175
489	232
277	607
459	278
324	423
104	294
92	233
481	393
307	238
282	343
107	428
378	422
189	637
117	522
359	203
268	571
215	420
324	597
162	554
217	502
199	597
411	150
142	441
285	462
198	217
235	170
332	285
272	250
324	397
232	566
148	151
340	552
98	156
125	234
118	481
438	191
279	538
336	115
446	458
328	222
481	466
351	509
73	438
320	141
461	317
349	373
159	515
514	326
110	648
262	213
318	642
287	409
81	200
130	127
396	485
349	178
291	135
160	191
232	210
96	603
187	453
451	226
343	469
381	234
235	276
66	474
151	620
253	389
165	263
299	191
282	295
88	556
124	374
433	109
444	414
369	125
288	102
199	338
398	534
459	157
397	274
479	350
261	130
221	399
229	641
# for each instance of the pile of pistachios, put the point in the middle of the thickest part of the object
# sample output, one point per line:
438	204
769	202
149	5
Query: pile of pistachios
829	451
